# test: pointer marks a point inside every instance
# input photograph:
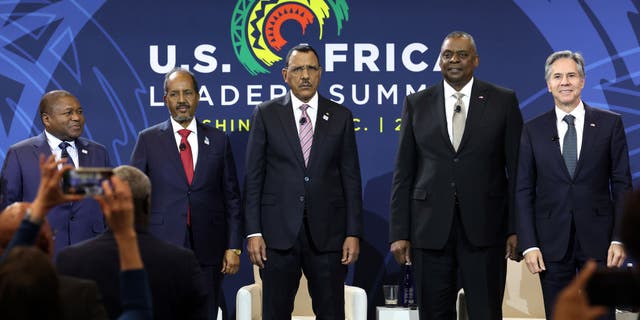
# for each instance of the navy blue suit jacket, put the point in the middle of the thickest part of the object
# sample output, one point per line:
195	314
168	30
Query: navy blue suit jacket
214	194
20	178
548	200
278	186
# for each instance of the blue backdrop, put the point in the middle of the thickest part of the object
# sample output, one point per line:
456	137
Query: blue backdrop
112	55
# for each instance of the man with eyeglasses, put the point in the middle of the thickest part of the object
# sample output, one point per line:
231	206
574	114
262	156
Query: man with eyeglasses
452	208
303	193
63	120
195	198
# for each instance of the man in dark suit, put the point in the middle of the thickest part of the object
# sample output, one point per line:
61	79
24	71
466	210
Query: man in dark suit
79	298
63	121
195	201
178	296
452	194
303	201
572	176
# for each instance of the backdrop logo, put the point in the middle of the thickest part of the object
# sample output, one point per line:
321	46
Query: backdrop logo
255	27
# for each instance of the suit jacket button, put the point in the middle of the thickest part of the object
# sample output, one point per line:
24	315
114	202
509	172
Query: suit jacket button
306	179
456	159
453	184
301	198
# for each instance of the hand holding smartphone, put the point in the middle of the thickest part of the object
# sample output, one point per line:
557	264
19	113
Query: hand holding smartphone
85	181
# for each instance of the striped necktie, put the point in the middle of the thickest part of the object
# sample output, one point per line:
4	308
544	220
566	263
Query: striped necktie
305	134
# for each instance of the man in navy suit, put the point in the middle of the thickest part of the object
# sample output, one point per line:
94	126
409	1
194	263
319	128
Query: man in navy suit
573	174
453	186
61	115
303	194
195	201
179	296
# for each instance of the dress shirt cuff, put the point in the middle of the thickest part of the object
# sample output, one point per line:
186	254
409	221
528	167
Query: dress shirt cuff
617	242
524	253
254	235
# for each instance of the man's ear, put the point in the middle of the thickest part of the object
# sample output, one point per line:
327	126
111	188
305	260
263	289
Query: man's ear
45	119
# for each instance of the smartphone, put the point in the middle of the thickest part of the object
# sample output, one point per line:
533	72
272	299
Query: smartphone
85	181
614	288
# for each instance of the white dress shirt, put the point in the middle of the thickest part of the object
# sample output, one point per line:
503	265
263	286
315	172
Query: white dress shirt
192	138
450	103
54	145
578	114
312	111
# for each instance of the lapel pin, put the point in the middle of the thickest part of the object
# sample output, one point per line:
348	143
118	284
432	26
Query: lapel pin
206	140
85	151
592	124
481	97
326	116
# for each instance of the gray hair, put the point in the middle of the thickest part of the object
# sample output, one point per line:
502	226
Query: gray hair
462	34
140	191
565	54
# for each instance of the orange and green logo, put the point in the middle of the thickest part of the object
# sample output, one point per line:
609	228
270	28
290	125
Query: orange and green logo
255	27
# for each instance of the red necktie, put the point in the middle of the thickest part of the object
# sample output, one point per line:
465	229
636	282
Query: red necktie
187	162
185	154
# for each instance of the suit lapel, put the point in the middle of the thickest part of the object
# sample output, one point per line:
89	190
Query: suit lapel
288	125
320	130
553	146
475	110
168	147
204	148
439	112
588	136
83	153
40	146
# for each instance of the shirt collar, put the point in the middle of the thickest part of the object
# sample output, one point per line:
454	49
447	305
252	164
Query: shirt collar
296	103
466	90
191	127
54	142
578	112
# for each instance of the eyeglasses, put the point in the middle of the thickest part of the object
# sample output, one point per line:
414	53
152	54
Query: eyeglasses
298	70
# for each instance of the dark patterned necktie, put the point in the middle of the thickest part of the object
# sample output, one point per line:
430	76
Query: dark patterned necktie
65	154
569	145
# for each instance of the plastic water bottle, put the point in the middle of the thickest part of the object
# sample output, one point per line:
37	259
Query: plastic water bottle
407	289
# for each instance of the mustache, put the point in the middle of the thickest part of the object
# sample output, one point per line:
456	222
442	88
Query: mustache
183	105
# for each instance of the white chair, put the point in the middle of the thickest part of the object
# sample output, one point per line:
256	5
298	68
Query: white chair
249	301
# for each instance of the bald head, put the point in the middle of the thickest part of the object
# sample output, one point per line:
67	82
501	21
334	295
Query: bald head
50	98
10	220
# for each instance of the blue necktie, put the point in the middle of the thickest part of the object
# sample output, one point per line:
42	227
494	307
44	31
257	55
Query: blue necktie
64	154
569	145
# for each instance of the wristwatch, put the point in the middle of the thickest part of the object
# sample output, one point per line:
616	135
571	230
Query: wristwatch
236	251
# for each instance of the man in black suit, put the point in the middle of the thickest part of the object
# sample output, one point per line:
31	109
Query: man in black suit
303	204
174	274
452	194
572	176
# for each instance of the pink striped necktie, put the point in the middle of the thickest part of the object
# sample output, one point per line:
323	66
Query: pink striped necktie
306	133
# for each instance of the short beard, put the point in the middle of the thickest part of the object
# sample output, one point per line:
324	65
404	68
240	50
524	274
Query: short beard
183	119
